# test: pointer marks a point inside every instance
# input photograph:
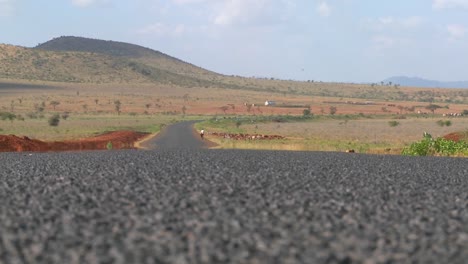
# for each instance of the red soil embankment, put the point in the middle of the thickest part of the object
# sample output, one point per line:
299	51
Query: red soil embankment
119	140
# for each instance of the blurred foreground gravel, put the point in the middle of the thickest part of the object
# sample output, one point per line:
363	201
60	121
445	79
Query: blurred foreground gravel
226	206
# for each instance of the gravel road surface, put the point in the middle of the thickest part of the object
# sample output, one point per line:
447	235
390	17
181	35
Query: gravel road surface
186	205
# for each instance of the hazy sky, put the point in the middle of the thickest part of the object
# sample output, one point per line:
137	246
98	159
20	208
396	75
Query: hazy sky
322	40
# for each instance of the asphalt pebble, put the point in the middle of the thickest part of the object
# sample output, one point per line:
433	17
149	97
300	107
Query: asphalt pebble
231	206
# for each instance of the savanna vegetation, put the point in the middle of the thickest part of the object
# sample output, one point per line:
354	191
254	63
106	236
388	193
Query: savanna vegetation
73	87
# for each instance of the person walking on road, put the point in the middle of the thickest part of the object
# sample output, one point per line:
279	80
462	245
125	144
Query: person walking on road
202	133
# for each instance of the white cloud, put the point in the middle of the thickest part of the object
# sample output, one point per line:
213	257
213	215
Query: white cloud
6	8
444	4
395	24
456	31
179	30
82	3
412	22
394	32
324	9
239	11
88	3
161	30
235	12
183	2
383	43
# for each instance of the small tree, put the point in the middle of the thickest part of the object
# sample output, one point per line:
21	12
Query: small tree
333	110
39	108
117	105
306	112
433	107
401	108
54	104
224	108
184	109
54	120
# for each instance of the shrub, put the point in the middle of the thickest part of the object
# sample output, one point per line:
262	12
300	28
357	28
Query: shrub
393	123
440	146
32	115
7	115
444	123
54	120
65	115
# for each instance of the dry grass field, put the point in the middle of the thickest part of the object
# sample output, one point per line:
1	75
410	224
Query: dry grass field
367	135
360	124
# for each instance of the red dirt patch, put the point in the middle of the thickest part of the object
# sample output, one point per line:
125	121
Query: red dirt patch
119	140
456	136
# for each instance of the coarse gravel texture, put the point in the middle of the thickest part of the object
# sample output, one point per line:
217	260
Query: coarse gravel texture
186	205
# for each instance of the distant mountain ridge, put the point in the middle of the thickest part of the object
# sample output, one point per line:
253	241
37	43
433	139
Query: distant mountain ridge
420	82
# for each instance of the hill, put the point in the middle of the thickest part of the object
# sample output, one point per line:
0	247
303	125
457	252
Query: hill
419	82
149	57
112	48
84	60
29	64
81	60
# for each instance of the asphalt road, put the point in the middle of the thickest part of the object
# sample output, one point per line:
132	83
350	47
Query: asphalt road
177	136
186	205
